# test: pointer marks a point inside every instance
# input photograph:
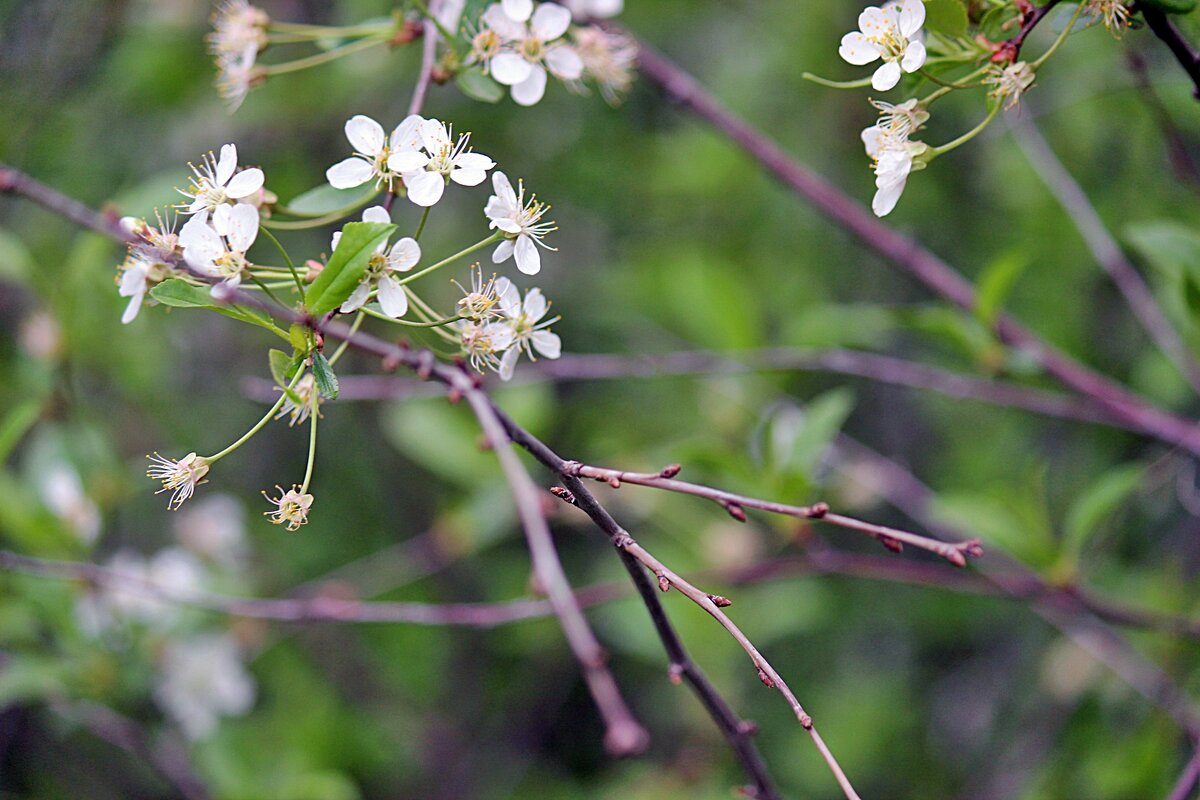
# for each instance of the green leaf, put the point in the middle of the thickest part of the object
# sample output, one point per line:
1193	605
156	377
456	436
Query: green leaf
298	336
477	86
346	266
996	283
946	16
16	424
799	439
1170	247
327	382
325	199
283	369
1099	502
994	23
178	293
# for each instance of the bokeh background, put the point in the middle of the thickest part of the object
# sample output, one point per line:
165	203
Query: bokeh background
670	240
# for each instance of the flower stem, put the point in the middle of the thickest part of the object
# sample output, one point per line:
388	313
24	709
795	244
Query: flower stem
312	441
437	323
258	426
354	326
478	245
329	31
858	84
449	37
934	152
286	258
947	88
316	222
322	58
266	289
421	224
1062	37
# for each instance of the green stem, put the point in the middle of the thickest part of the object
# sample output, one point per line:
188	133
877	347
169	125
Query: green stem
437	323
286	258
947	88
322	58
425	312
315	222
354	326
1062	37
480	244
259	425
934	152
329	31
314	415
266	290
421	224
858	84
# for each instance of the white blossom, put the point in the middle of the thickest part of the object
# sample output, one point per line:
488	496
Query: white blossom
62	492
372	149
133	595
400	257
217	256
149	261
1010	83
237	25
520	221
218	186
201	680
887	143
438	160
525	326
291	507
531	48
1114	13
594	9
888	33
609	58
484	343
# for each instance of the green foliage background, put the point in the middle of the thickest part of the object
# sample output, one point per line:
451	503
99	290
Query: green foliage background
670	239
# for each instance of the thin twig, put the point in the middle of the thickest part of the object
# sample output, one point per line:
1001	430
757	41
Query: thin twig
1187	55
911	256
428	57
956	553
1104	248
1188	779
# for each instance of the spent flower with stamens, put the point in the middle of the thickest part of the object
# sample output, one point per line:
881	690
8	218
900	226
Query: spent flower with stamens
1010	83
524	321
237	25
609	58
300	407
888	33
151	260
218	186
180	478
372	150
530	49
237	75
291	507
1114	13
479	302
483	343
437	160
521	223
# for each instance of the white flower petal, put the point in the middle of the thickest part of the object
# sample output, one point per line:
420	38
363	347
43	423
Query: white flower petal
407	135
510	69
914	57
886	198
376	214
404	254
220	218
407	161
135	305
504	189
243	227
535	305
529	260
529	91
474	161
365	134
392	298
349	173
857	49
503	252
517	10
357	298
550	21
508	363
547	344
509	297
226	165
564	62
424	188
245	183
468	176
434	136
886	77
912	17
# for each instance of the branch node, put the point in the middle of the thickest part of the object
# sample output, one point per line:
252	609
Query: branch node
454	395
664	583
622	540
748	728
735	511
675	674
896	547
624	739
720	601
614	481
670	471
806	722
768	681
818	510
425	361
571	468
564	494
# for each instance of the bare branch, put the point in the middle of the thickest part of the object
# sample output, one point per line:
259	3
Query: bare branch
1104	248
1187	55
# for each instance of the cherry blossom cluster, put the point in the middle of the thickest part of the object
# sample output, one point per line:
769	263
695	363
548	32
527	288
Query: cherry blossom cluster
896	35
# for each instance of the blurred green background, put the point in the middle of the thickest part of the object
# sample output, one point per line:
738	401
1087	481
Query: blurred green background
670	239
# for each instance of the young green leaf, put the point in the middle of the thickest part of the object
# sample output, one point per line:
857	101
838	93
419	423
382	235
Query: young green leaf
477	86
996	283
346	266
946	16
283	369
178	293
327	382
1099	501
325	199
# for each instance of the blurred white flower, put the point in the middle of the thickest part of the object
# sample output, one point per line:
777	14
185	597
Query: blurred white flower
372	149
201	680
178	477
131	595
892	153
400	257
237	75
62	492
214	528
41	337
525	326
609	58
149	261
1010	83
237	25
530	49
1114	13
217	256
217	187
594	9
302	410
521	221
888	33
439	160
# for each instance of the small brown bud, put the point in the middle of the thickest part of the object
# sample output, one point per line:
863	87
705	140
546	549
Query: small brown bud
765	678
614	481
818	510
736	511
670	471
664	583
454	396
748	727
719	601
675	674
895	546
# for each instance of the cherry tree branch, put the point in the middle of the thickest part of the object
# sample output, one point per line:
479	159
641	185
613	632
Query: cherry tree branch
1104	248
910	256
1187	55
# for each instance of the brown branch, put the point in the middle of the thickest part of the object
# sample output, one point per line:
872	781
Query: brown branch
1188	779
1012	47
1105	249
911	257
428	56
1187	55
956	553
